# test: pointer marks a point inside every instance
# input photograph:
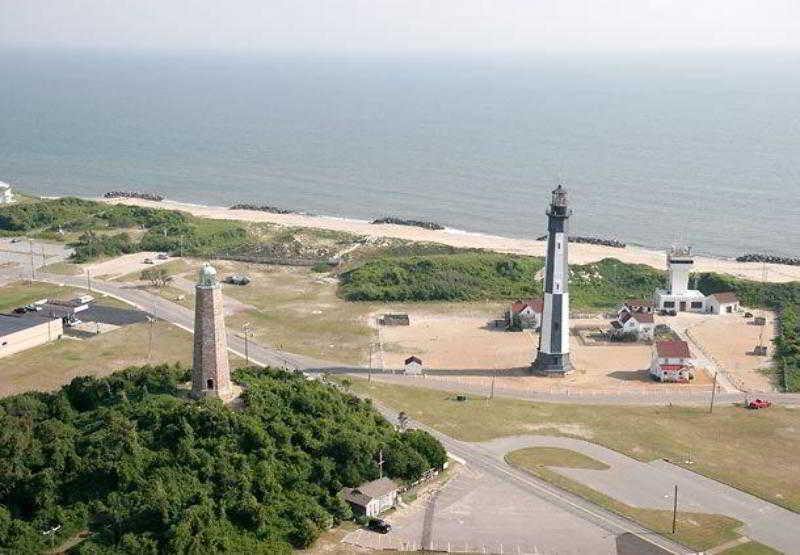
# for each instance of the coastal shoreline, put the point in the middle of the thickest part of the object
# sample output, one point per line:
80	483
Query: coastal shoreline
580	253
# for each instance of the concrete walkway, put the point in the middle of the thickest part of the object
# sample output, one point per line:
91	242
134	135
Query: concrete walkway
650	485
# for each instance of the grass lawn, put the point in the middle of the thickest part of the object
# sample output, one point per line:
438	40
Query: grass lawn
535	457
298	310
751	548
47	367
696	530
173	267
21	293
755	451
62	268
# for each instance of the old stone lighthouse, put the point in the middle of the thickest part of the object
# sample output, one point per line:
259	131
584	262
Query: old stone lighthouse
552	356
211	374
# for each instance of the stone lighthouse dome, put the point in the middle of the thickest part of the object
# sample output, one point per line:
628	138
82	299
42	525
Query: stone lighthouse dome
207	275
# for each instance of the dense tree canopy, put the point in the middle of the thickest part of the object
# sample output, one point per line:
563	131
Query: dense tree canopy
147	471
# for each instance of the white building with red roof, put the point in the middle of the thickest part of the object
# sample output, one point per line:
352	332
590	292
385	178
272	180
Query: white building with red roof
640	324
526	314
672	362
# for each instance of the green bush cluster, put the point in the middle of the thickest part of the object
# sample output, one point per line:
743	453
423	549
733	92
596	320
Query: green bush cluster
787	348
442	277
146	471
74	214
750	293
469	276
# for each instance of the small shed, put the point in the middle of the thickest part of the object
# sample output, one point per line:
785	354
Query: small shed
413	365
395	320
723	303
372	498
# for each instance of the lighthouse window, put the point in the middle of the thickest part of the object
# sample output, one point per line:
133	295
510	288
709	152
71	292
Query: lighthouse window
209	384
558	245
558	286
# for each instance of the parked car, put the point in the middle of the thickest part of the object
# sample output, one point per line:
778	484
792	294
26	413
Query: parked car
20	310
32	308
379	525
759	404
163	256
148	261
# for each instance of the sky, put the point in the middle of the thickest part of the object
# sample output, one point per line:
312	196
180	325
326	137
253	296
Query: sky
403	26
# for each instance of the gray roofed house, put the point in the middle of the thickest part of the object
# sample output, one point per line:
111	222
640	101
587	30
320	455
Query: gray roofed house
372	498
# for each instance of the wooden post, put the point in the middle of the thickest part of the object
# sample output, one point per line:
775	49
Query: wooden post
675	510
713	394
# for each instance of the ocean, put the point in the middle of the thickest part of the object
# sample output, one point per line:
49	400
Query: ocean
654	151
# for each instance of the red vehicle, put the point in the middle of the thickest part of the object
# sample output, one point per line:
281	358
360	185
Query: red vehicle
759	404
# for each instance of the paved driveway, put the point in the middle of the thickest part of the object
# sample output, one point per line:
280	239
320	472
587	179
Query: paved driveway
478	513
650	485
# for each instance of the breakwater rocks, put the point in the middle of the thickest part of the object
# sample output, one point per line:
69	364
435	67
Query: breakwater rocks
591	241
768	258
134	194
262	208
403	221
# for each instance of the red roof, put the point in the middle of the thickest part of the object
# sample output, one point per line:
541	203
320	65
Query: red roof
411	359
673	367
537	305
673	349
728	297
638	302
625	317
643	317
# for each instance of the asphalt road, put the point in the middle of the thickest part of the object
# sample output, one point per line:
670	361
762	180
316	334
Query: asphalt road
486	461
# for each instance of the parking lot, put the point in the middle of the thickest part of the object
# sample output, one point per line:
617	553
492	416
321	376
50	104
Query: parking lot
477	513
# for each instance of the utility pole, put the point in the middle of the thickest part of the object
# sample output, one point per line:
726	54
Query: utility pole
380	462
33	271
89	279
369	374
713	394
675	510
494	375
246	333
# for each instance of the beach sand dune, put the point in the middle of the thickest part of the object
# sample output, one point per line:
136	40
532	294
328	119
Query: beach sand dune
579	253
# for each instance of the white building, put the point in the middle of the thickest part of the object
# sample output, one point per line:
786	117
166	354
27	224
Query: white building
413	365
18	333
640	324
527	313
372	498
723	303
678	297
672	362
6	195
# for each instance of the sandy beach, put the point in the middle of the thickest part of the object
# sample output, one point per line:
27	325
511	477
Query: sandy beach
579	253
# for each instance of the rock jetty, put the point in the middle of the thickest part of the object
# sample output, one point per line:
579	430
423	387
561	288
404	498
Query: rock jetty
591	241
262	208
403	221
134	194
769	259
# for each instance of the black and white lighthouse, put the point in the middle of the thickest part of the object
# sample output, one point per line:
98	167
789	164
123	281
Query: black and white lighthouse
552	356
